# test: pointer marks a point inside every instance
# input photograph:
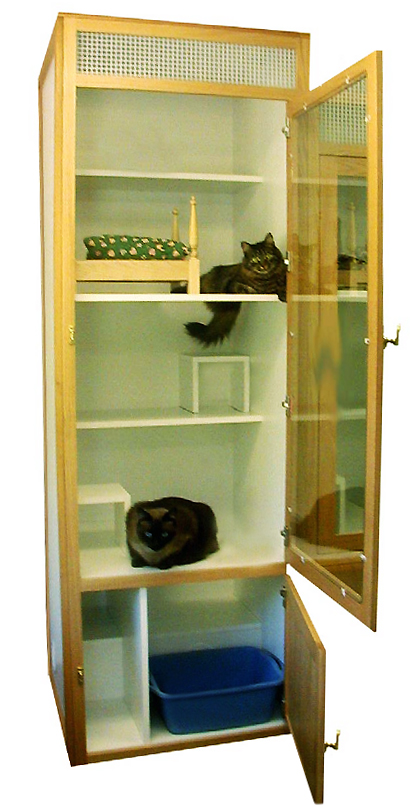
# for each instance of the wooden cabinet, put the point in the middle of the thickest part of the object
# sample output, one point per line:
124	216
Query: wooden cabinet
137	118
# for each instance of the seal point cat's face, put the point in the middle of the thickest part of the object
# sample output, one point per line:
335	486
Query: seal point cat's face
156	532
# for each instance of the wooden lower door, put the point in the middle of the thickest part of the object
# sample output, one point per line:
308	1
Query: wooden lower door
305	674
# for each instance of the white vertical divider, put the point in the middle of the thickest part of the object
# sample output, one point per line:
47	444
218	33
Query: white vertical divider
240	385
130	610
142	716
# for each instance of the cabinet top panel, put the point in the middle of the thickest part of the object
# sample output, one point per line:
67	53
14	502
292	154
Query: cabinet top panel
186	57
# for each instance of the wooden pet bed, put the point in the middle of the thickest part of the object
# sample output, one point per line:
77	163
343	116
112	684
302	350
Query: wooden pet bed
167	271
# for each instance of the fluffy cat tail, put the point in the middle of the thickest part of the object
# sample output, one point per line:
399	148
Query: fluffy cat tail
224	318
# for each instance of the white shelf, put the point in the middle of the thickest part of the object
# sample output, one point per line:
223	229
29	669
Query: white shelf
101	493
342	414
352	414
111	719
353	296
172	176
160	736
170	417
160	297
342	296
110	568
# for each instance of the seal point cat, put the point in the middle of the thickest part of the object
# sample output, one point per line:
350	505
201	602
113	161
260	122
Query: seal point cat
170	531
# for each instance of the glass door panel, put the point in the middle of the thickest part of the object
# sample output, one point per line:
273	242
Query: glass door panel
335	337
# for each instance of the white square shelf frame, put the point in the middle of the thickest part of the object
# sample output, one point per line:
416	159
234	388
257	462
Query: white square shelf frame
94	494
190	394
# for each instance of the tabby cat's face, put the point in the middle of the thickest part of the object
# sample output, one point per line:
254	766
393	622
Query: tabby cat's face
156	533
262	258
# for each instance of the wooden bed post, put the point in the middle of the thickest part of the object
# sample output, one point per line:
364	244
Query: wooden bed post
193	282
175	225
193	229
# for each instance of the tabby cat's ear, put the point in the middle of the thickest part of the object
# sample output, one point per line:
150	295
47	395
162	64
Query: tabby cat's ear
246	247
269	238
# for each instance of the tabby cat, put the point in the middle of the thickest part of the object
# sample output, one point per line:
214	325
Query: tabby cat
262	271
170	531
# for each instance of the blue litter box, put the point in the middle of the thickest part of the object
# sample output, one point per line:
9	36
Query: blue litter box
215	689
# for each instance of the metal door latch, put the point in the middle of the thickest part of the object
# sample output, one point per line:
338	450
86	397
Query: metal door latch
395	341
333	745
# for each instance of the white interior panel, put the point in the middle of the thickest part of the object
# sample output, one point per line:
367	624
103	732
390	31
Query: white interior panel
231	138
128	357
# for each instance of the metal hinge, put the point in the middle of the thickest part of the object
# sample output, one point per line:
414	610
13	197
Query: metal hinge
286	128
286	534
80	675
283	594
286	404
71	334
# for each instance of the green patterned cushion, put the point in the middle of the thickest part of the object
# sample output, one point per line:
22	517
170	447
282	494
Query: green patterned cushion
134	247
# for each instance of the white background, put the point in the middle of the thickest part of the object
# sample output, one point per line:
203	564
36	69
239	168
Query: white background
371	678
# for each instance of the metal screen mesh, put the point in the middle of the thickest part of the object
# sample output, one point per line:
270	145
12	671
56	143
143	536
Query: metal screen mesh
185	60
343	119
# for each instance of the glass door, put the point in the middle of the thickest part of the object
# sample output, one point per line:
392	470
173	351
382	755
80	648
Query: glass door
335	336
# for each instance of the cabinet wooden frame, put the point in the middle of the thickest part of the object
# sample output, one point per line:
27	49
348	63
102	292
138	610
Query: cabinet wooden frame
61	62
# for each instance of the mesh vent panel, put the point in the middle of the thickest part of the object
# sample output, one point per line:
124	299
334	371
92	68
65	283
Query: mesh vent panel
185	60
343	118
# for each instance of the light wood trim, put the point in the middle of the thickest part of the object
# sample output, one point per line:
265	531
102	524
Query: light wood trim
44	71
341	150
177	86
65	371
375	334
193	277
193	229
327	90
325	580
175	225
160	578
181	30
130	270
305	683
56	52
50	54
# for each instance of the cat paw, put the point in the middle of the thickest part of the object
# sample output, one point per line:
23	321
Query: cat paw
137	563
